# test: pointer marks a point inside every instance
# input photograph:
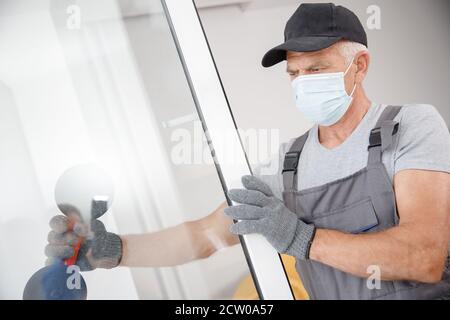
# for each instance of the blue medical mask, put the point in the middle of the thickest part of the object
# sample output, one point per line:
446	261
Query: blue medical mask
322	98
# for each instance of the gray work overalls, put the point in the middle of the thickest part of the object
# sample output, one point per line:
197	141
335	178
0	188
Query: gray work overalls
360	203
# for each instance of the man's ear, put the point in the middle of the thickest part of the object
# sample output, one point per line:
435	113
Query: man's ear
362	61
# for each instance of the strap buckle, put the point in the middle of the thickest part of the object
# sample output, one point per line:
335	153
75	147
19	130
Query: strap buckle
375	138
291	161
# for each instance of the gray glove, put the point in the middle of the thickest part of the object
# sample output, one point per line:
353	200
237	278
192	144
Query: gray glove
100	249
261	212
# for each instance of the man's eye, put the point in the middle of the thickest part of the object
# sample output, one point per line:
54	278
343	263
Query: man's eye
314	70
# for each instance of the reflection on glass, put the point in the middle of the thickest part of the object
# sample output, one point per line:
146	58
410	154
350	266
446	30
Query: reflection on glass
87	188
103	84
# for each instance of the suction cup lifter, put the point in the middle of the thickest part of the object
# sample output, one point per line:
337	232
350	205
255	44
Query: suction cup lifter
82	193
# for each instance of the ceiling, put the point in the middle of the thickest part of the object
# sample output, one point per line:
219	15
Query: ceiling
139	7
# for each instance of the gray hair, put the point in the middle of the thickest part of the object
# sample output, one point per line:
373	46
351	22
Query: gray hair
349	49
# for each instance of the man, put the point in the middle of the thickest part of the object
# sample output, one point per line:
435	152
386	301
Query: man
364	193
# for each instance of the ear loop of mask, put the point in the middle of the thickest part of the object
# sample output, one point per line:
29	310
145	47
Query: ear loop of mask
348	68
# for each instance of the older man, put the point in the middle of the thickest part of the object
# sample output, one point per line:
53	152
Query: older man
366	191
364	194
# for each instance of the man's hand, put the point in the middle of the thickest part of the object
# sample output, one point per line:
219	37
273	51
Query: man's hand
265	214
100	249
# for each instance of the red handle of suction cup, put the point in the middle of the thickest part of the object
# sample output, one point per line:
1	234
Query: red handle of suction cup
76	248
73	259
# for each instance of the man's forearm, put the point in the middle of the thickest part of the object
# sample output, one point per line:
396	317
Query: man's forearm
188	241
394	251
169	247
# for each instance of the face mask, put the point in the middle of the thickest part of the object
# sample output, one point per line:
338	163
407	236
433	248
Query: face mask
322	97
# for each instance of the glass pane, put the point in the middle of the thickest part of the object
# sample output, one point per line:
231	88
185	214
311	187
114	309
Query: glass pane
260	99
100	82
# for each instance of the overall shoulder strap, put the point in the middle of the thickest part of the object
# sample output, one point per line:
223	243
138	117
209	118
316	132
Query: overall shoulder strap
290	163
381	136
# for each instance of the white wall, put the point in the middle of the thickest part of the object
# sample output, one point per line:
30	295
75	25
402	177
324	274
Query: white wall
410	58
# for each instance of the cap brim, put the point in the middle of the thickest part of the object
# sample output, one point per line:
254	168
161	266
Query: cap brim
302	44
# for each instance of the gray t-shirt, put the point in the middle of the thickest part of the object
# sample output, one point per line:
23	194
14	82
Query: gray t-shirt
422	142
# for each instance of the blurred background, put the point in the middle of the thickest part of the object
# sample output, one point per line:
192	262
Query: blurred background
101	82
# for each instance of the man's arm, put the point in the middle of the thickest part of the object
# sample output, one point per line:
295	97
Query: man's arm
416	249
180	244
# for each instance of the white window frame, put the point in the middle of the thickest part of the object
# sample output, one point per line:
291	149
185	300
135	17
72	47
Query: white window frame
265	263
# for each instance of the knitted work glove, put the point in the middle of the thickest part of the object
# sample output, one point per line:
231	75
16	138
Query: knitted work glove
100	249
261	212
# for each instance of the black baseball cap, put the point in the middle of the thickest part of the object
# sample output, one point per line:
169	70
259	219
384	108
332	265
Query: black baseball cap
315	26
